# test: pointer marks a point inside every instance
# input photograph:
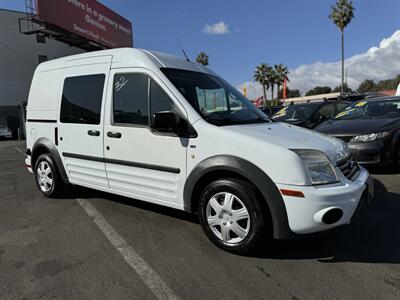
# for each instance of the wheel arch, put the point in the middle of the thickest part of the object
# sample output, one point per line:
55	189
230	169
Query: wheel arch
396	139
44	145
223	166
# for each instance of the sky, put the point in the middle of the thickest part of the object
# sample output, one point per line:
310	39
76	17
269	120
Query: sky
239	35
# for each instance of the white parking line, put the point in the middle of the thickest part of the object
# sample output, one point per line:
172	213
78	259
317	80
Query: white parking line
18	149
146	273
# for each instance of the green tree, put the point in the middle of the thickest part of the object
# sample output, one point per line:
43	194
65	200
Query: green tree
289	93
202	58
341	15
367	86
319	90
272	79
260	75
346	89
282	73
389	84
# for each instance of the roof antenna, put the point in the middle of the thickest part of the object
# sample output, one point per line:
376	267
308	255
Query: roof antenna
183	50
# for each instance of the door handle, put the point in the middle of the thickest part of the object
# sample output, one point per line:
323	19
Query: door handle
93	132
113	134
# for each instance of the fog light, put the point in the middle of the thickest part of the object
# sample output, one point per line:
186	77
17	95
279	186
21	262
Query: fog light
332	216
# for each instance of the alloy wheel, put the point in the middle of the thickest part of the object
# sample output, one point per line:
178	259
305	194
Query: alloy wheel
228	218
44	176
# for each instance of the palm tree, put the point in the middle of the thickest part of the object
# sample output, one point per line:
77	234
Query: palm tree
202	58
341	15
260	75
282	73
272	80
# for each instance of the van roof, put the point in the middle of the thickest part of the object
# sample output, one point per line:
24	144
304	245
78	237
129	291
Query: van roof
128	57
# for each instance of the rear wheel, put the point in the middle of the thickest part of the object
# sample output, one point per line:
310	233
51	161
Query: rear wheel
47	177
231	215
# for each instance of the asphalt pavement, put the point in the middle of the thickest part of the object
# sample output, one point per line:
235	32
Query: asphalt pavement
94	245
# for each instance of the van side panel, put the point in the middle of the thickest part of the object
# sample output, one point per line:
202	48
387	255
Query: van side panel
44	95
42	108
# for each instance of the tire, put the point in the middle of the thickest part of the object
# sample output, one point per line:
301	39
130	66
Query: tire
47	177
226	224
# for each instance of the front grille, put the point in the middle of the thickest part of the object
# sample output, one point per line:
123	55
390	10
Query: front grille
349	167
344	138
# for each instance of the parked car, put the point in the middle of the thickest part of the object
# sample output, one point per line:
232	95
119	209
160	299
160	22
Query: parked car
271	110
5	132
371	128
310	114
161	129
353	97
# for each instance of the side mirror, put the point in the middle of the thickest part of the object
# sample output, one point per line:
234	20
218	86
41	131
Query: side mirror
165	121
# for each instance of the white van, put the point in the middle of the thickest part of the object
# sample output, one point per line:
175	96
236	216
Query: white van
158	128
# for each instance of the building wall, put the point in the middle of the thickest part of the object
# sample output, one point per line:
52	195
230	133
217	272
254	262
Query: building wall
19	56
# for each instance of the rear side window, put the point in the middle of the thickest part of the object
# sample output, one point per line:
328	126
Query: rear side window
130	99
81	99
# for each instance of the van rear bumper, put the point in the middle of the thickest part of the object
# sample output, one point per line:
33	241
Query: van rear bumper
28	164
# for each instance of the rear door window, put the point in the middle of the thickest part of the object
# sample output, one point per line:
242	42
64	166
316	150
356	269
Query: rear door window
81	99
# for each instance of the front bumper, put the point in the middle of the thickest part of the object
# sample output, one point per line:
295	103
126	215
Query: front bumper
306	215
378	152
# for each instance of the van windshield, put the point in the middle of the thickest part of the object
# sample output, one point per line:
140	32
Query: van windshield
214	99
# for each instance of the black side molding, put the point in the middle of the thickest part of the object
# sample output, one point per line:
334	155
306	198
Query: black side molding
41	121
80	156
123	163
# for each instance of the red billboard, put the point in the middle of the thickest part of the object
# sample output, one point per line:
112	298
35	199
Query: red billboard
89	19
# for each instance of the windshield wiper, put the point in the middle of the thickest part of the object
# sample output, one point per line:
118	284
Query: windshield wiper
220	120
256	120
229	121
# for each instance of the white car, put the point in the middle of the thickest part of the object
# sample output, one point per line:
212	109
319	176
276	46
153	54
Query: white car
5	132
161	129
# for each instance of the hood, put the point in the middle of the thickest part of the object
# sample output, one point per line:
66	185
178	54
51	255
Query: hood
357	126
292	137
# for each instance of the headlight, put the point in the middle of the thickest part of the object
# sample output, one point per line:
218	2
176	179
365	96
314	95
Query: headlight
342	154
371	137
318	166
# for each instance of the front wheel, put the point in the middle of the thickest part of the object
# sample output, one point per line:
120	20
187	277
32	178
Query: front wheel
232	217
